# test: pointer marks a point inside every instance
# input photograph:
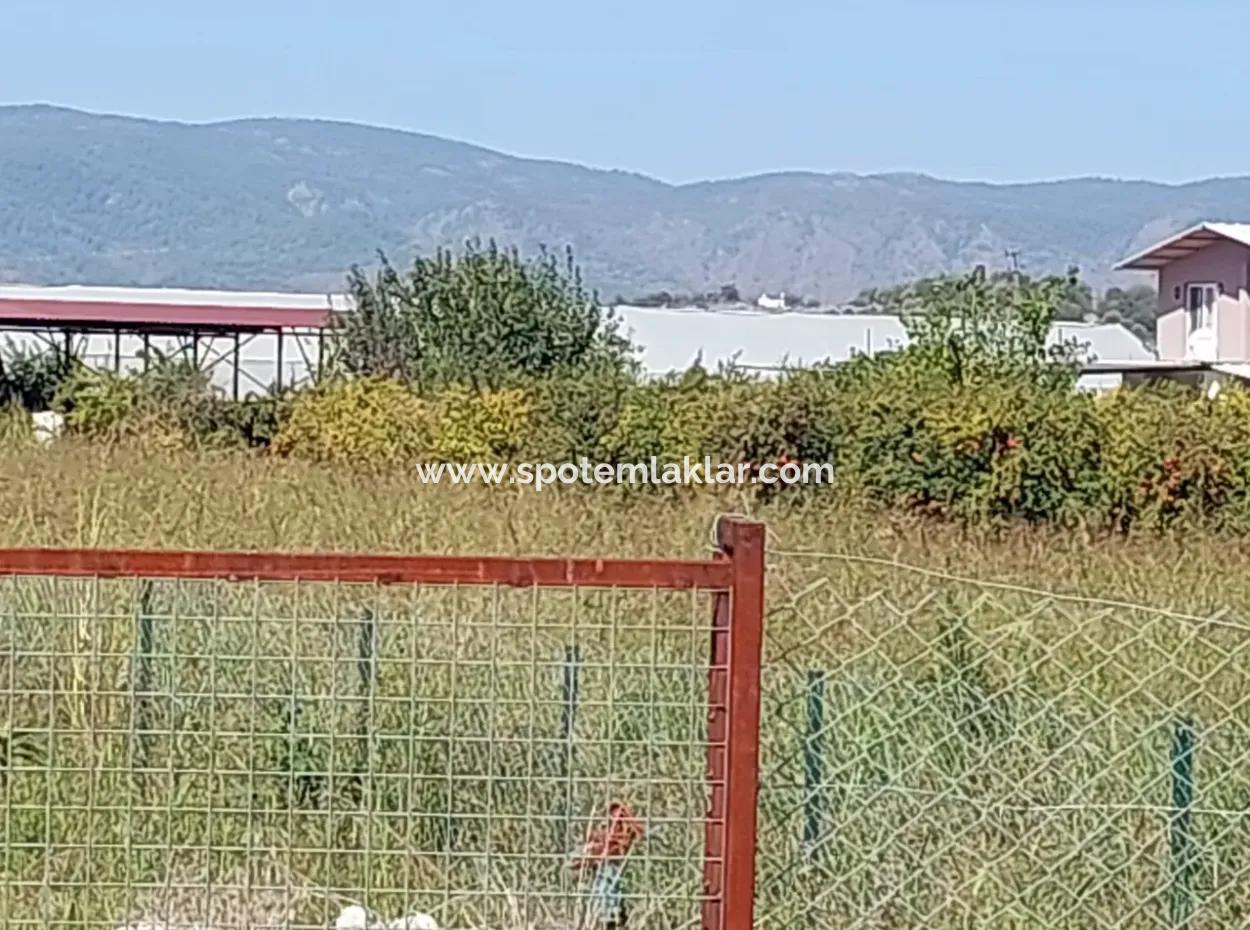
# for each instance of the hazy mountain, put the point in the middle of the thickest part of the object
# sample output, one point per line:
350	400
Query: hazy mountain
281	203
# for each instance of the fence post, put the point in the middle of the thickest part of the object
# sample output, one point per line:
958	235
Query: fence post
569	693
1180	826
733	731
142	682
367	672
814	767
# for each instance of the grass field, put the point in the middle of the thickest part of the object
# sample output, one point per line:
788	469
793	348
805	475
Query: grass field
958	753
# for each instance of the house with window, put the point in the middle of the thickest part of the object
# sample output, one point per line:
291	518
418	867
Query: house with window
1203	277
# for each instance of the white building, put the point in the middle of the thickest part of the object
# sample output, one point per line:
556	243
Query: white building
769	343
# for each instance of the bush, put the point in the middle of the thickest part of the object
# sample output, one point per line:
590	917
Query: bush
727	417
1011	440
484	317
179	394
674	417
30	379
467	426
1171	452
1016	446
98	403
359	420
795	417
172	404
257	420
572	414
645	425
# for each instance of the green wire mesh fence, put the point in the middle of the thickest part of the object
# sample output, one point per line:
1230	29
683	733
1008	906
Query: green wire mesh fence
941	753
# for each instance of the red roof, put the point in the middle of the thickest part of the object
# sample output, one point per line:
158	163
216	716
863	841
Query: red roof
109	309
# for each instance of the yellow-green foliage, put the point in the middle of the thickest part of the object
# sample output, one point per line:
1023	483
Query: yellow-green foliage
170	406
467	426
727	417
15	426
1013	443
674	418
98	403
364	420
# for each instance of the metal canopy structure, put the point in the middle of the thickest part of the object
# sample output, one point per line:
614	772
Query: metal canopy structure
211	329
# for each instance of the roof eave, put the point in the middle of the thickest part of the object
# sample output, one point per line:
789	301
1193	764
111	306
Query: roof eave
1138	264
1181	245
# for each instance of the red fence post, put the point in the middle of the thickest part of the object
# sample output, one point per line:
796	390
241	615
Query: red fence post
734	731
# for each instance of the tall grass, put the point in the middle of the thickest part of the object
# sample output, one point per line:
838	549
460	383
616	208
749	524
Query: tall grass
993	756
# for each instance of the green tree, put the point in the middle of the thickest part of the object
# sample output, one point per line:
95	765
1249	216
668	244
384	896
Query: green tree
484	317
1135	307
1077	300
976	324
30	378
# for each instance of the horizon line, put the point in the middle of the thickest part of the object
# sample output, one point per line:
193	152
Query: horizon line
890	174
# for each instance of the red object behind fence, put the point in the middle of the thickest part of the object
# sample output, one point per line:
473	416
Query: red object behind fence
611	841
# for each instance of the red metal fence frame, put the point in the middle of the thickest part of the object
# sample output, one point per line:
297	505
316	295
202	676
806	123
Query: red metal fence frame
382	569
735	578
734	730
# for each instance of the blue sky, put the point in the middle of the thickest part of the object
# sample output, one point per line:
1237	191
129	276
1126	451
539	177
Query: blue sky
684	89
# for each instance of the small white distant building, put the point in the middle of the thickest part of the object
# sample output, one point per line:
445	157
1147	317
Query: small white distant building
772	303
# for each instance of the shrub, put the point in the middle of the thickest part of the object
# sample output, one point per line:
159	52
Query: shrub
361	420
171	404
795	417
30	379
668	418
1171	452
97	403
257	420
727	417
467	426
572	414
484	317
179	394
1011	446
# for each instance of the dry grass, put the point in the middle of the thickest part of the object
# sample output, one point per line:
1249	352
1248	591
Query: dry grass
88	495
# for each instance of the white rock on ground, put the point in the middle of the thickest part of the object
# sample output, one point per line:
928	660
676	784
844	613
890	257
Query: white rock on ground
355	917
48	425
413	922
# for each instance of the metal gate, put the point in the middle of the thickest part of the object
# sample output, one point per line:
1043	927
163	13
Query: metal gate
214	739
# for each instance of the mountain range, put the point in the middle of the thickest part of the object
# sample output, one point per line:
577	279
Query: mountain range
290	204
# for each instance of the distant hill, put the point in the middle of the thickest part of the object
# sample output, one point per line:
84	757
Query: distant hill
290	204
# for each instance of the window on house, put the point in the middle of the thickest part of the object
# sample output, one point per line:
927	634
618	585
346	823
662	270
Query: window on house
1200	303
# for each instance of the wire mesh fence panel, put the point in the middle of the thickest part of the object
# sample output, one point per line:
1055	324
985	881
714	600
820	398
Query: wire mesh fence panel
939	753
214	753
